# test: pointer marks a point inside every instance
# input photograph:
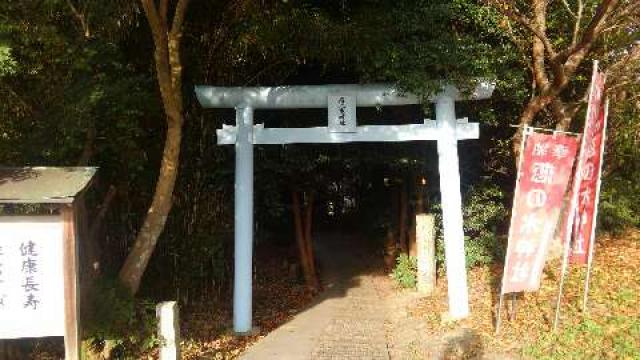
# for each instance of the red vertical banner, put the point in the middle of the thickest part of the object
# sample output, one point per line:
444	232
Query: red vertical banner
545	168
587	180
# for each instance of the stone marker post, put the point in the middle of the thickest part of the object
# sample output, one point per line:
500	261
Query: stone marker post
168	330
425	241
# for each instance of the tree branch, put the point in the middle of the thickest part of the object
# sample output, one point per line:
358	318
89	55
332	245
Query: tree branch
157	28
104	208
514	14
174	41
590	34
568	8
630	10
576	26
178	19
538	49
82	20
164	69
164	9
89	145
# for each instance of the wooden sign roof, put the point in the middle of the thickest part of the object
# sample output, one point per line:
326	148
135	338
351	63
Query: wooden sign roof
58	185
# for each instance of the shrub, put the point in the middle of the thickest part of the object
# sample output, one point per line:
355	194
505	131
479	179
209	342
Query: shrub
619	204
119	321
620	198
406	271
484	213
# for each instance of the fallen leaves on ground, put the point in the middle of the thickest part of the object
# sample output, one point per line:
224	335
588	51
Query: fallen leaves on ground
615	285
207	329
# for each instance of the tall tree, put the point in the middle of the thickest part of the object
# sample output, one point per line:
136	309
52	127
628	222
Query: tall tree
560	36
167	37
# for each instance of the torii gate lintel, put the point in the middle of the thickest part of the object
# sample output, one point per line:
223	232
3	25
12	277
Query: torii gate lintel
447	130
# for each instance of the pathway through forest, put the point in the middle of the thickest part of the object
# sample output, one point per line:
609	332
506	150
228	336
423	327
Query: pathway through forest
362	315
347	321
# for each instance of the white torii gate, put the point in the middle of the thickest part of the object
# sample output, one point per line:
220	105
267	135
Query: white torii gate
341	100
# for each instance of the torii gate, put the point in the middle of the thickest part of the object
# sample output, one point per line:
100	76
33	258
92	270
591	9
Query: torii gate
341	100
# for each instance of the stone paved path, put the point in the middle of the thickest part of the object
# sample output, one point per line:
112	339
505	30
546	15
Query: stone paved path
347	321
361	315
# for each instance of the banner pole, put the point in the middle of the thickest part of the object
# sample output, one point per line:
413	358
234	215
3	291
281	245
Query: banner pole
592	240
525	132
563	271
566	241
499	317
575	189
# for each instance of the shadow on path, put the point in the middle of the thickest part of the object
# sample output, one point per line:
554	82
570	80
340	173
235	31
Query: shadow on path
347	320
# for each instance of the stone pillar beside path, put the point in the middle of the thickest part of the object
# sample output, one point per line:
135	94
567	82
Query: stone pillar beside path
426	253
168	330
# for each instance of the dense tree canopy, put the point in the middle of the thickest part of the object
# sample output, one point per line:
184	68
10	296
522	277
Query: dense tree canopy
81	82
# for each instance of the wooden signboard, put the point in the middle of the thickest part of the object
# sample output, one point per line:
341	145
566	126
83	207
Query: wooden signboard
31	276
39	280
39	294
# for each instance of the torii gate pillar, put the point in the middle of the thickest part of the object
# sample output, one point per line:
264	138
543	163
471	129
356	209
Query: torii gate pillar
243	222
447	130
448	166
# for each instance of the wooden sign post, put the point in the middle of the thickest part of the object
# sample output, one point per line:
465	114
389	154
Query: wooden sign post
39	291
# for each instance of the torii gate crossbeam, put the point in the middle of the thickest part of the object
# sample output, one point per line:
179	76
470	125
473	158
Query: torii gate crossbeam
446	129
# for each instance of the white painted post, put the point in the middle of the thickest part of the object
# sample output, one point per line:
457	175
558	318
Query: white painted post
168	330
242	281
452	208
426	253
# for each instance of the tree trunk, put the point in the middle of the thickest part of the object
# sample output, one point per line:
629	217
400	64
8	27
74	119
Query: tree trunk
562	64
303	249
145	243
402	226
390	250
166	40
395	210
420	197
307	235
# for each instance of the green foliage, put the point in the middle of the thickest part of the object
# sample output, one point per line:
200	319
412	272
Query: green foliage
484	214
190	269
420	44
7	62
57	84
406	271
620	197
128	324
619	206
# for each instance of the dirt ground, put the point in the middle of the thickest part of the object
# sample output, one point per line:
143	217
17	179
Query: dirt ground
415	325
613	296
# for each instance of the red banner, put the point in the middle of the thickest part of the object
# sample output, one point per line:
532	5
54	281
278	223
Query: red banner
587	179
545	168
